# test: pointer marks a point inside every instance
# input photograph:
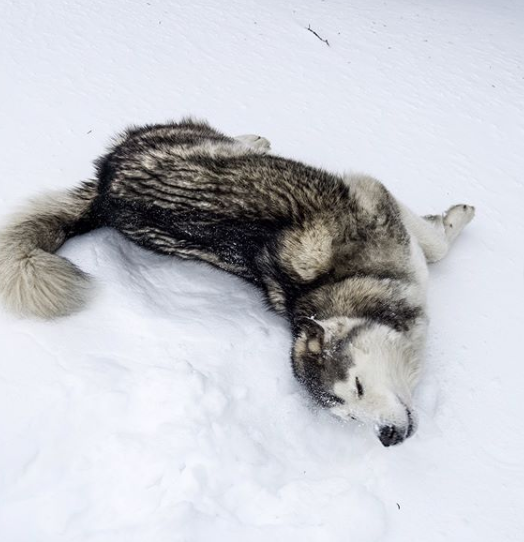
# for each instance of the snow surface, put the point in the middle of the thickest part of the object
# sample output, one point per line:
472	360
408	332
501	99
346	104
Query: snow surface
167	410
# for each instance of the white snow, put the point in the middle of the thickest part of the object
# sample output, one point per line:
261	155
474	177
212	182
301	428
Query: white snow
167	410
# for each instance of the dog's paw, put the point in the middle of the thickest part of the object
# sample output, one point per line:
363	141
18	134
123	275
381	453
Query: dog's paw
457	217
255	142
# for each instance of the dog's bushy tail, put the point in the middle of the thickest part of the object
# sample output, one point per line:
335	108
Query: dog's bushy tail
33	280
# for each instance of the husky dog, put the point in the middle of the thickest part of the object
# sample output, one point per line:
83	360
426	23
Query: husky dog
338	256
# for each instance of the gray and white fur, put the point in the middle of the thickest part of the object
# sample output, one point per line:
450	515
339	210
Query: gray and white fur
338	256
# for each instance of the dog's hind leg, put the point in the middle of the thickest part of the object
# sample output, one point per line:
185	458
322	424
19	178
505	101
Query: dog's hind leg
435	233
255	142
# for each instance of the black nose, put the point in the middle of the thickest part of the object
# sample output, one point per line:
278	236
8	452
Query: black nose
390	435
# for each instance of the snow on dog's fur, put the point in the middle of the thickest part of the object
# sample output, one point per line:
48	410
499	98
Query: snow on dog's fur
339	257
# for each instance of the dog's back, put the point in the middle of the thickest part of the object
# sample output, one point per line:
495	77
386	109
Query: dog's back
185	189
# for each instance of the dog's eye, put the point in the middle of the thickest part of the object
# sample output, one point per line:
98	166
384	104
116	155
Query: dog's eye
360	389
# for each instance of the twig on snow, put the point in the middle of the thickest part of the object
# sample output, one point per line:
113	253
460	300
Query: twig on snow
313	32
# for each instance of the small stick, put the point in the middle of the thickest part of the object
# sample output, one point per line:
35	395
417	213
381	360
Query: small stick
313	32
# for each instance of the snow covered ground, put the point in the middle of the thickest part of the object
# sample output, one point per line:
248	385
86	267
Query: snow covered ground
167	410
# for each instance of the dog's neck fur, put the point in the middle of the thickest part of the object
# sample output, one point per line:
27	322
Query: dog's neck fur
385	301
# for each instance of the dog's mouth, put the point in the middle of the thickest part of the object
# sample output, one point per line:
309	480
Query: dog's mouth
411	423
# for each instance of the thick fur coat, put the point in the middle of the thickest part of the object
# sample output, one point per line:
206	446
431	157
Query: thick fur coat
338	256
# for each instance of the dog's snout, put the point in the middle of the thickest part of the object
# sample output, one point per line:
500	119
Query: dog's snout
390	435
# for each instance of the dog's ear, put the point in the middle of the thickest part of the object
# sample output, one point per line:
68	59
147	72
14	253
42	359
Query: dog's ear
315	335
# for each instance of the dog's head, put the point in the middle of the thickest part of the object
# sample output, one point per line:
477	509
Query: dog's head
361	370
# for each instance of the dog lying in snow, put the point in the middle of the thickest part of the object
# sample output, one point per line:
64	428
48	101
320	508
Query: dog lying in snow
338	256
